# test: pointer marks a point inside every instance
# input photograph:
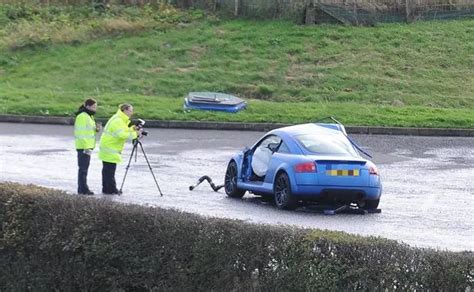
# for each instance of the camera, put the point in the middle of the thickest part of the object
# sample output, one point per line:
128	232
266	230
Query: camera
139	124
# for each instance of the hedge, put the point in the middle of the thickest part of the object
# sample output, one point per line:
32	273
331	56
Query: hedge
50	240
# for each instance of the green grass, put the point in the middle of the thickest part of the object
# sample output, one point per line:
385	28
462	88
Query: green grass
419	74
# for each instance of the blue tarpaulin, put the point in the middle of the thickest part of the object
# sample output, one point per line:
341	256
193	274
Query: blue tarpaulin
214	101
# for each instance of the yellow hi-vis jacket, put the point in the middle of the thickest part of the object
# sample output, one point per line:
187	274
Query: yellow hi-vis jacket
84	131
116	133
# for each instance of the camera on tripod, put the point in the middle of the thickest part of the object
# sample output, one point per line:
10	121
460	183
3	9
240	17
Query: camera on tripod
139	124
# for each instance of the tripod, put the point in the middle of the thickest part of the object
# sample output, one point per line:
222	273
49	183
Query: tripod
137	142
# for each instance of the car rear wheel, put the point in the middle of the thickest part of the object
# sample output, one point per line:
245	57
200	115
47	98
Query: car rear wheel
371	204
230	182
282	193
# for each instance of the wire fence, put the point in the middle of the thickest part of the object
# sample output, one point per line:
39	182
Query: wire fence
371	12
339	11
309	11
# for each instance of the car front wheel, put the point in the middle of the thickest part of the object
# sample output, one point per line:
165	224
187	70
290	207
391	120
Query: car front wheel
282	193
230	182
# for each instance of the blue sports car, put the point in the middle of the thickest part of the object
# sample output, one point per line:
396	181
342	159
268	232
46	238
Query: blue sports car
309	162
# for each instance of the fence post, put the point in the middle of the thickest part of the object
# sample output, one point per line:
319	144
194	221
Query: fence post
355	12
236	7
407	11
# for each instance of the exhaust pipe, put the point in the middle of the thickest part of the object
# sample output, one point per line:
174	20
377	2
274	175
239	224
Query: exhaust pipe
209	180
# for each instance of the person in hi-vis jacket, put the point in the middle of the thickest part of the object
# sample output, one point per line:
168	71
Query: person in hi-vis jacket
116	132
85	129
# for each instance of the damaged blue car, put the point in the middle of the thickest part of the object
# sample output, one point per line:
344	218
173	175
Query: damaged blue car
315	162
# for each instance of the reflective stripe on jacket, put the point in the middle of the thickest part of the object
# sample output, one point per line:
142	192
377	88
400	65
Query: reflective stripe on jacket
114	136
84	131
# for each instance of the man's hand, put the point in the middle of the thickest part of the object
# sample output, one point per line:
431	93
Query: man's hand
98	127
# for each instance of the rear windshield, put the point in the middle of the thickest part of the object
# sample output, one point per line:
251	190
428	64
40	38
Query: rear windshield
326	144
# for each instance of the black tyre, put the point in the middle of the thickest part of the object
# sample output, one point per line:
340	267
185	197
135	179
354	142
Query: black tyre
230	182
371	204
282	193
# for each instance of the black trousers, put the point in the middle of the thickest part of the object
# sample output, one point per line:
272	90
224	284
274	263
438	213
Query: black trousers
109	185
83	161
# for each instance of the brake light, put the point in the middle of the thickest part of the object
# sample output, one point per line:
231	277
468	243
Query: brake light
373	170
306	167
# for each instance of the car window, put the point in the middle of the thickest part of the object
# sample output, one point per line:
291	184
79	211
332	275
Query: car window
283	148
272	139
326	144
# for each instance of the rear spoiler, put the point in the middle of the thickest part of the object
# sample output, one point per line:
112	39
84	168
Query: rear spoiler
343	131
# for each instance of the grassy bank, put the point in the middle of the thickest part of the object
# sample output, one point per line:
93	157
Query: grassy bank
393	75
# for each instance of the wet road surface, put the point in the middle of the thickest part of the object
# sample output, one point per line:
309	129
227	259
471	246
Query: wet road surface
428	182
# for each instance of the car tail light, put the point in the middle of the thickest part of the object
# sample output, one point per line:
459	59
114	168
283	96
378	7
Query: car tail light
373	170
306	167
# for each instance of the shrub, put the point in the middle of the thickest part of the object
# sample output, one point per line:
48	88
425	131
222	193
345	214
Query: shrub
53	241
24	26
115	26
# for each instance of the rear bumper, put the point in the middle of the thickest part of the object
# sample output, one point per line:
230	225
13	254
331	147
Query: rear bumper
336	193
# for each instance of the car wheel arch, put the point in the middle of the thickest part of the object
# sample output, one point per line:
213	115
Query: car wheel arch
289	202
237	162
283	167
278	172
233	191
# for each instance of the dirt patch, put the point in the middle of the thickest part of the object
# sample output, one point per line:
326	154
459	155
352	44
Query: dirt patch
118	25
253	91
245	50
196	52
398	103
329	62
185	69
301	74
220	32
149	91
154	70
132	53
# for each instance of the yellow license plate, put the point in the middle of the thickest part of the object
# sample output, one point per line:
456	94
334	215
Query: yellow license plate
339	172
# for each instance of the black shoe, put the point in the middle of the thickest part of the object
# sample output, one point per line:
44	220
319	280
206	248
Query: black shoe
115	192
87	193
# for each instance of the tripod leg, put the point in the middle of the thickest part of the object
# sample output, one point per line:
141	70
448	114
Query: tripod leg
151	170
128	165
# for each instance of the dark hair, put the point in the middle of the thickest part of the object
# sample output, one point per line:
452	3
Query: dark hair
89	102
125	106
83	107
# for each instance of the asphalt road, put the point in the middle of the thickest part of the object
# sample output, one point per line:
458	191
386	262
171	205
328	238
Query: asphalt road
428	181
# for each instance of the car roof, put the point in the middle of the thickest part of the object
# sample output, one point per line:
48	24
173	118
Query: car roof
310	128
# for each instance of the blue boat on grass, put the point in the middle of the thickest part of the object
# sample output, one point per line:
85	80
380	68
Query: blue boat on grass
213	101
